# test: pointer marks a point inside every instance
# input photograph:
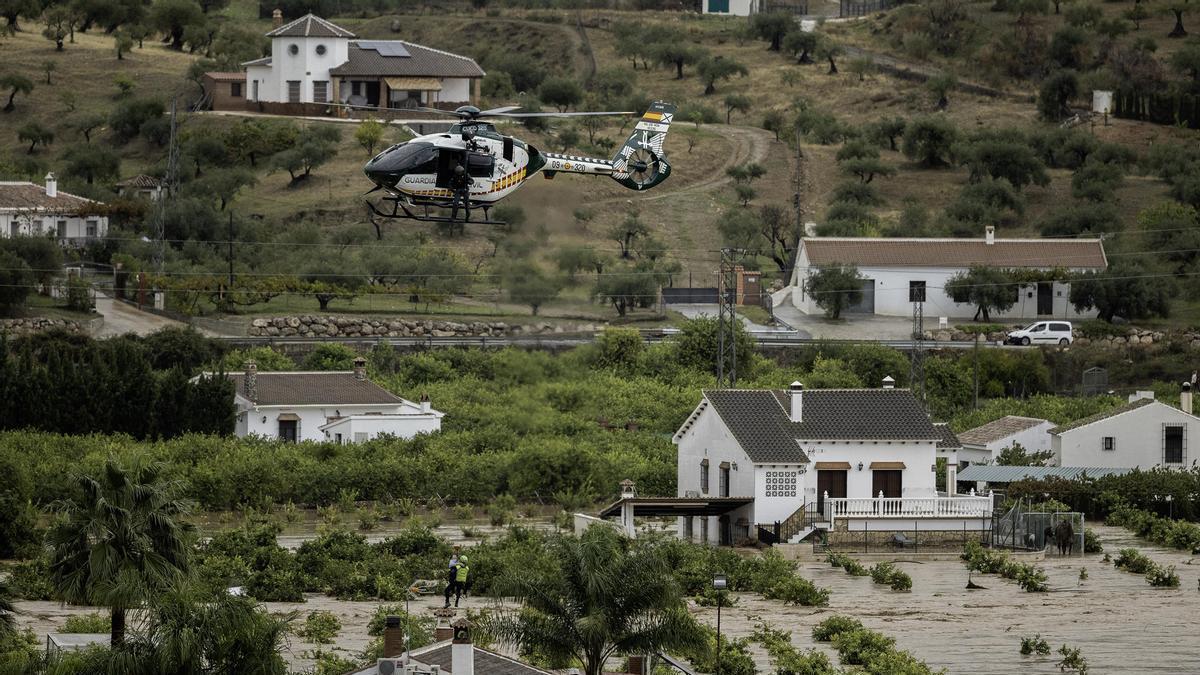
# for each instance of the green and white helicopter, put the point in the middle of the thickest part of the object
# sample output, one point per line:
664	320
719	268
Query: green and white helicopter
474	166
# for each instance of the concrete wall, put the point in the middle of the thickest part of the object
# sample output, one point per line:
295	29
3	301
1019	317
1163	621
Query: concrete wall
1138	435
918	480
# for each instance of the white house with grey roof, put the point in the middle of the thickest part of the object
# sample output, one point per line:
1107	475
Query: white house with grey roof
984	443
314	61
898	272
819	459
336	406
1144	433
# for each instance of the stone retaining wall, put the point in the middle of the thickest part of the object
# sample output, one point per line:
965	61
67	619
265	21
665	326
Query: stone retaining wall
344	326
1133	337
35	324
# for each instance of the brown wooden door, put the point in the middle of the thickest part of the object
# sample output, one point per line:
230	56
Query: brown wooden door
888	481
831	481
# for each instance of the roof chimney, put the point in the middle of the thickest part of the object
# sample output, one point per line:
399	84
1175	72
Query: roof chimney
796	393
277	17
889	382
425	405
360	368
1185	398
989	234
250	381
393	637
462	652
51	185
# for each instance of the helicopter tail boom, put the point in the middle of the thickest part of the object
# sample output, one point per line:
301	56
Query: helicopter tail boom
641	163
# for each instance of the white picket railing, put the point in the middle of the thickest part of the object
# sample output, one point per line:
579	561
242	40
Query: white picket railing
909	507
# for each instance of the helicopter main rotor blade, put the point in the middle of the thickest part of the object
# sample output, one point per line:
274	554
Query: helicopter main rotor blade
448	113
500	111
555	114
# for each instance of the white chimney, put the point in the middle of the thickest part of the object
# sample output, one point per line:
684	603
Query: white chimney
1185	398
889	382
989	234
51	185
796	393
425	405
462	652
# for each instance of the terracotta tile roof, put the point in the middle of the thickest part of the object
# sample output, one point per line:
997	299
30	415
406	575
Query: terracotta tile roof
1119	410
362	60
760	419
948	441
310	25
226	77
1033	253
140	181
998	429
26	196
315	388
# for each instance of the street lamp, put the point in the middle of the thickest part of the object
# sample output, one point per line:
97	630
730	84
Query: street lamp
720	583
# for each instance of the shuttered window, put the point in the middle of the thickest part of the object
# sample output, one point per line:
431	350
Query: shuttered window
293	91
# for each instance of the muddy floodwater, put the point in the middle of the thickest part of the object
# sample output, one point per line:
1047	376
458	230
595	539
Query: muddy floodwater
1121	623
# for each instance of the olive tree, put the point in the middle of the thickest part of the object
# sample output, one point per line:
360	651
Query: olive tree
988	288
834	288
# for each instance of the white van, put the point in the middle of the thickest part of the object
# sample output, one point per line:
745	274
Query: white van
1043	333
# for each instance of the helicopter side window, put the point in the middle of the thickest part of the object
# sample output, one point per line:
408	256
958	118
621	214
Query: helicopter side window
508	148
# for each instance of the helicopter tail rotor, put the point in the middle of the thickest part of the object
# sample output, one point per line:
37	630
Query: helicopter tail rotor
640	163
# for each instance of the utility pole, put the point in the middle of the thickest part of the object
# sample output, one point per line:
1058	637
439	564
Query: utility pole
727	321
916	373
978	336
231	249
168	190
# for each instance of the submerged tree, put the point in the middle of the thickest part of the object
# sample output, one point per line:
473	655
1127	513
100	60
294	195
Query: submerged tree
601	597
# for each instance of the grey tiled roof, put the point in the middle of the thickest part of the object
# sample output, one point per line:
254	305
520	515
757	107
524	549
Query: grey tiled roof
989	473
421	62
316	388
997	429
310	25
948	441
925	252
760	420
1082	422
486	663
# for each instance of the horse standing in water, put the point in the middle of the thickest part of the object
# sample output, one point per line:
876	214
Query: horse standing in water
1064	536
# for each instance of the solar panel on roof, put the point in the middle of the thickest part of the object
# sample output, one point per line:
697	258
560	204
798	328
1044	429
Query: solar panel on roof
385	47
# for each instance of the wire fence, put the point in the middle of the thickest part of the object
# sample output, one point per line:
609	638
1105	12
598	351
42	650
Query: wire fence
915	539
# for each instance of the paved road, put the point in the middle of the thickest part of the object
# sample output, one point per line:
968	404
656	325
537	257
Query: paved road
120	318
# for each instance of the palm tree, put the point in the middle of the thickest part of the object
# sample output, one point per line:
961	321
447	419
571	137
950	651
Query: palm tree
602	597
122	541
194	634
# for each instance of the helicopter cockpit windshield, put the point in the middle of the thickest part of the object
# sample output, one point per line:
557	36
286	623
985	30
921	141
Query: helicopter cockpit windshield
400	160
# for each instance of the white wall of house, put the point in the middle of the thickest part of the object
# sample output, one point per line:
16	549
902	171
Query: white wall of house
892	299
778	478
1138	438
1033	439
917	480
63	227
312	418
732	7
366	427
305	66
710	439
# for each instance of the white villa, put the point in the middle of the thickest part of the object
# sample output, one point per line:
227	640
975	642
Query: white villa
899	272
30	209
983	444
316	62
339	406
760	464
1143	433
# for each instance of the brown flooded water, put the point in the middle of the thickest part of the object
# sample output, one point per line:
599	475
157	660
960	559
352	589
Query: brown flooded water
1121	623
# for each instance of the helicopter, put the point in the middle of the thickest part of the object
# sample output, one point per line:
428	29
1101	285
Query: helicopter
474	166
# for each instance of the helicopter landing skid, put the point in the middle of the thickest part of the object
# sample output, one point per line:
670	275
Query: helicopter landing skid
400	211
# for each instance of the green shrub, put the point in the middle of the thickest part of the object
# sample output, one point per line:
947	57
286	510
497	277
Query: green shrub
881	573
320	627
330	356
1091	542
1034	645
418	628
88	623
856	647
1096	329
1132	560
833	626
708	598
1073	660
980	328
797	590
901	581
1163	577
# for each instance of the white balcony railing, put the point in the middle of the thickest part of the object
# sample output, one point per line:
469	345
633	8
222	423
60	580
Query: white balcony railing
909	507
